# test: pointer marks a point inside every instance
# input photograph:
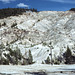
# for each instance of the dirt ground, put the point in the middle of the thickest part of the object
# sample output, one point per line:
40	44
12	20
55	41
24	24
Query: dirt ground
37	69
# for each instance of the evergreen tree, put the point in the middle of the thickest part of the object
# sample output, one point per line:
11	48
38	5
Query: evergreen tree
30	58
68	55
47	60
18	53
1	50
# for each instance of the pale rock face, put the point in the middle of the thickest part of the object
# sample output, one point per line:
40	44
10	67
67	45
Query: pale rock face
35	29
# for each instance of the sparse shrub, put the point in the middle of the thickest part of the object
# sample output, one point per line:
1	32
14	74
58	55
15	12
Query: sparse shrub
32	45
44	44
60	59
4	24
29	39
26	61
38	20
37	47
47	50
47	61
42	62
57	62
14	24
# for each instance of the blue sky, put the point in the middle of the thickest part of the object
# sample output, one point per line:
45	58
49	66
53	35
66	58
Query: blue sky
41	5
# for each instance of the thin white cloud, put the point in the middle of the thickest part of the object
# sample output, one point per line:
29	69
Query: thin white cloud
22	5
64	1
7	1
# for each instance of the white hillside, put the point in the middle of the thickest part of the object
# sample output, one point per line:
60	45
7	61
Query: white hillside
33	30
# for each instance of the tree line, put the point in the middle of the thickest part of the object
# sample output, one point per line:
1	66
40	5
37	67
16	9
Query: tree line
9	56
72	9
7	12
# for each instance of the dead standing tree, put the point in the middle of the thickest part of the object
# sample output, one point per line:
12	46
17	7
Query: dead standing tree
51	47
